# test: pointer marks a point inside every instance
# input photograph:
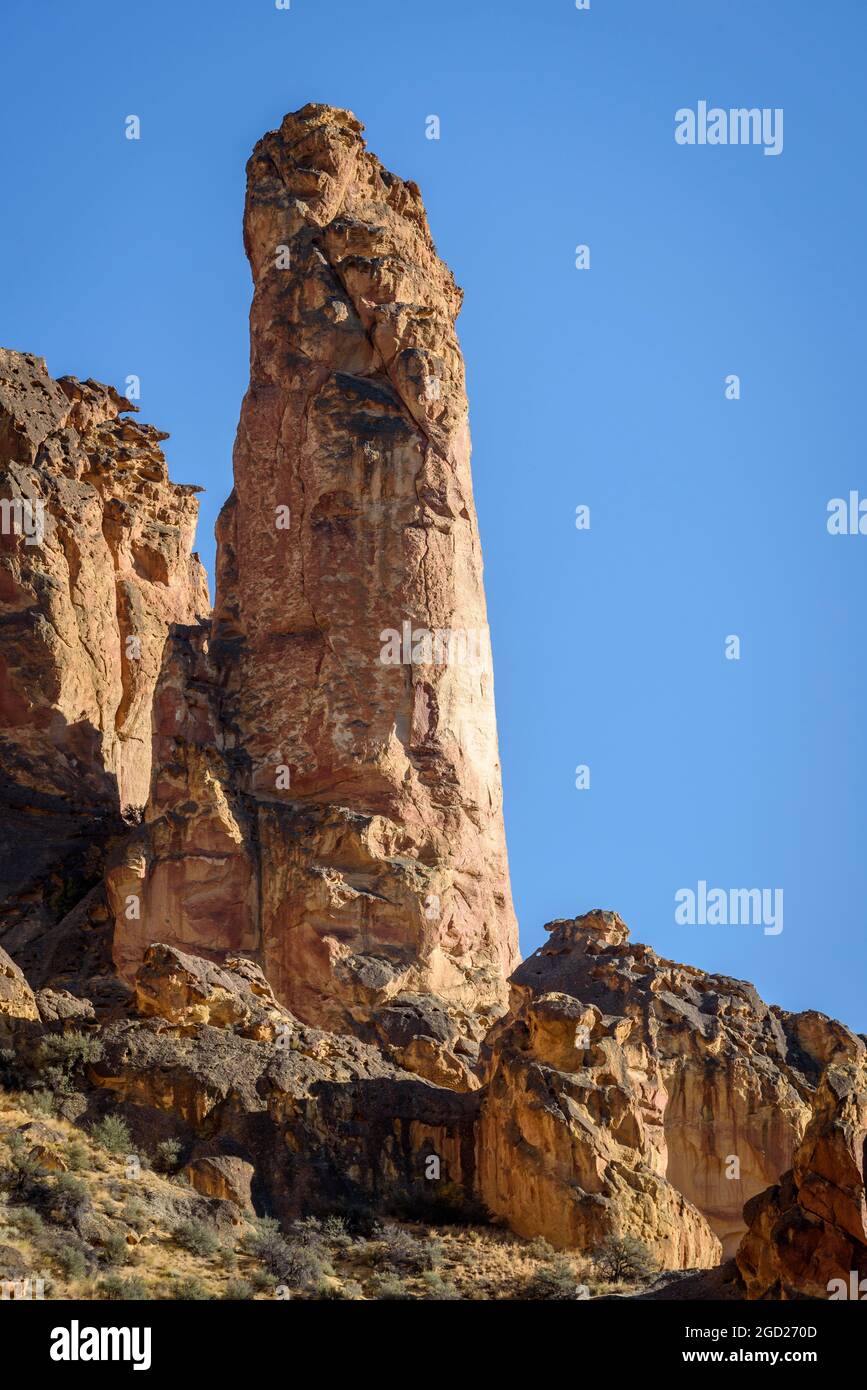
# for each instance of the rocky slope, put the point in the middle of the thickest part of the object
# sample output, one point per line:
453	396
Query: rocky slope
95	564
253	866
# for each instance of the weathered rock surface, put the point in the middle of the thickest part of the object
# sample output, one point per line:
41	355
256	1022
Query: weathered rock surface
692	1073
570	1143
807	1234
95	563
325	1120
17	1000
337	813
295	961
220	1175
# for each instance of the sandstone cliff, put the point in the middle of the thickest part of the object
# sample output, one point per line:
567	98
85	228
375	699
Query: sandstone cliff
299	805
327	787
617	1065
95	564
807	1234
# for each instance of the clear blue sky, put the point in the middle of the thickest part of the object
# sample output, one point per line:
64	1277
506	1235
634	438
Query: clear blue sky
602	387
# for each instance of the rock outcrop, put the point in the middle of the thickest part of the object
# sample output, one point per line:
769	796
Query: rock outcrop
326	1121
95	563
570	1143
256	863
807	1235
327	791
687	1074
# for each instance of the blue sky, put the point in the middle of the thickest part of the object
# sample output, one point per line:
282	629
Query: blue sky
602	387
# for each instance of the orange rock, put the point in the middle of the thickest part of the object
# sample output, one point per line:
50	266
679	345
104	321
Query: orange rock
807	1235
325	796
95	564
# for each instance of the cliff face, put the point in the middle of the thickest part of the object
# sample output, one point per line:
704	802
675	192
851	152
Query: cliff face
328	788
681	1074
807	1234
95	564
299	804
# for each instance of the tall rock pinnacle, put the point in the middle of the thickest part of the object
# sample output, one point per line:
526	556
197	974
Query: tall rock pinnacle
347	823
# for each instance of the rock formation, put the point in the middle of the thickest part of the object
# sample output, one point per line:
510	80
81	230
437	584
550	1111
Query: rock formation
327	788
95	564
281	827
807	1235
681	1074
570	1143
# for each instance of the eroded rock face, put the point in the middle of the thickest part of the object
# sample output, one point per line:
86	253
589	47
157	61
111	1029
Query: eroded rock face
711	1086
95	563
807	1234
326	795
17	1000
323	1120
571	1144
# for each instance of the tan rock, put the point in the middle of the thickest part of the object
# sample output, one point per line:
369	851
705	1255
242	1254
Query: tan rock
736	1076
17	1000
95	564
223	1176
187	990
570	1143
807	1235
336	813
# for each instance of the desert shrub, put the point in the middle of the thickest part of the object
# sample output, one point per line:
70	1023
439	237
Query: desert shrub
115	1250
389	1286
313	1230
405	1252
624	1259
21	1175
134	1213
10	1069
290	1262
188	1288
115	1288
437	1287
71	1261
555	1279
167	1156
66	1202
196	1237
38	1103
238	1290
26	1220
113	1134
335	1232
63	1056
77	1155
